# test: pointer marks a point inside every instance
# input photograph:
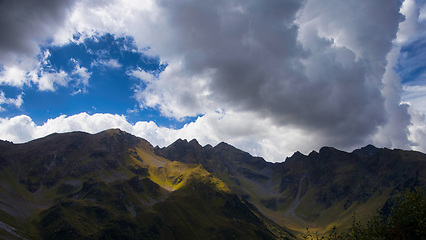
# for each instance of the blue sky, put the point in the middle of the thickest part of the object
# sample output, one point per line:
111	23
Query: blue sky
411	65
270	77
110	88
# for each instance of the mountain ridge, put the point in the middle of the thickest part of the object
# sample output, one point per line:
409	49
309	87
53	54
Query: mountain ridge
116	176
112	185
304	189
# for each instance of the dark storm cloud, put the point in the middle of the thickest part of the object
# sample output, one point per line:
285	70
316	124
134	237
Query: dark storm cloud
314	65
24	24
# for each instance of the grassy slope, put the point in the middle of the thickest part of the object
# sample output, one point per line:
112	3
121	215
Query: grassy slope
318	191
115	181
111	185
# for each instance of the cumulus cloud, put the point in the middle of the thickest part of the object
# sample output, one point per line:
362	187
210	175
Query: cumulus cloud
13	75
27	24
242	130
270	76
81	76
395	132
404	84
17	129
17	102
176	94
417	130
47	80
111	63
43	75
413	26
313	66
22	128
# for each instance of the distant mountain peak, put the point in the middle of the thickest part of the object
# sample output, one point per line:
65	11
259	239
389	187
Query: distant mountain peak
296	155
114	131
180	140
194	142
367	150
128	179
225	146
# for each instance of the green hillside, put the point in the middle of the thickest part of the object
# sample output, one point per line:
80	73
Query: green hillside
112	186
317	191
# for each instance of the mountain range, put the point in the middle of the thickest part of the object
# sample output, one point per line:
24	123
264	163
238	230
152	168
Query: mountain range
113	185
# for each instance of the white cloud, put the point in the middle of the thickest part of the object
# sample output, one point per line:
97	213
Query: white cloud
394	133
121	17
76	92
13	75
17	102
142	75
17	129
81	76
22	128
48	80
412	27
252	133
288	76
238	129
417	130
314	67
176	93
111	63
43	75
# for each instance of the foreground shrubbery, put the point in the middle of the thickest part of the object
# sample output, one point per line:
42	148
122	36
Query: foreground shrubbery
403	218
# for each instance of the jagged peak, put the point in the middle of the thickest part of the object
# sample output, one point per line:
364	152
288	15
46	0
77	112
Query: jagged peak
326	149
180	140
179	143
313	153
194	142
223	145
208	146
297	153
367	150
295	157
5	142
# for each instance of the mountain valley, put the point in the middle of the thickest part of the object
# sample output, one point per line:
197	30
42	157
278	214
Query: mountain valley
113	185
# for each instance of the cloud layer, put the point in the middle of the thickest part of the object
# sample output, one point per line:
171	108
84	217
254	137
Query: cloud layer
27	24
243	130
271	77
312	66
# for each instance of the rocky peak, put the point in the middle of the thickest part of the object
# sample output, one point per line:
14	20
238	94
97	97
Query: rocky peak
367	150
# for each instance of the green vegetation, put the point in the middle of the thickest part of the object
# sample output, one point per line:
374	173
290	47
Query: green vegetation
320	190
402	218
113	185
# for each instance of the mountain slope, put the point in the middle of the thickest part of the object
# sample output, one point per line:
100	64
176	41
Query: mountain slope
112	185
319	190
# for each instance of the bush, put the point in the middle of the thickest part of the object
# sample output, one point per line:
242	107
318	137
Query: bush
405	221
